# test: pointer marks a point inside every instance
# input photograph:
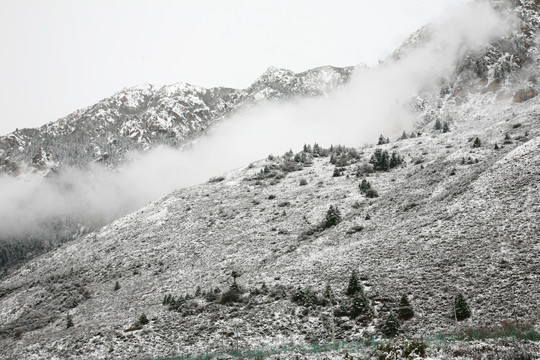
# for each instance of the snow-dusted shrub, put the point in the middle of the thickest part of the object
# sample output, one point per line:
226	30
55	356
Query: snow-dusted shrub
401	348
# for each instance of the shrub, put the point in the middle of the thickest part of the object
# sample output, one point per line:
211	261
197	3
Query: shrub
360	306
438	125
216	179
303	182
117	286
230	296
355	229
143	320
477	143
364	186
402	348
69	321
372	193
337	172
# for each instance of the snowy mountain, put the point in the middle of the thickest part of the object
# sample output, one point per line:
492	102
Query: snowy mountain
453	207
142	117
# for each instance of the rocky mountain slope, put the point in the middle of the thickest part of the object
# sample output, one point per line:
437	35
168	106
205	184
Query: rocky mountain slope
459	214
142	117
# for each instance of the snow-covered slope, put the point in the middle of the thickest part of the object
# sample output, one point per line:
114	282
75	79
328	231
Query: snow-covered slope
144	116
461	215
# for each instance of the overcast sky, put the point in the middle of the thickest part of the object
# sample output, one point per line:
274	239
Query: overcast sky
58	56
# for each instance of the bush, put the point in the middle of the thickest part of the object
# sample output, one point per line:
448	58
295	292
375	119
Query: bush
69	321
117	286
402	348
216	179
477	143
303	182
372	193
143	320
364	186
230	296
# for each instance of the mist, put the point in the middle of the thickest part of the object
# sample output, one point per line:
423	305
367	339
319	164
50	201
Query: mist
375	101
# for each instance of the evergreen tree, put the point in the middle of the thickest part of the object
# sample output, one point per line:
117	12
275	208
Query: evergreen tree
496	146
316	149
360	306
198	291
395	160
382	140
354	284
117	286
333	217
329	294
143	320
462	308
446	127
337	172
69	321
364	186
405	310
477	143
404	136
391	326
380	160
438	125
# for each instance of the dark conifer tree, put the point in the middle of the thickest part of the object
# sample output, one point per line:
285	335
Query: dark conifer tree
354	284
462	308
438	125
364	185
69	321
391	326
405	310
333	216
446	127
477	143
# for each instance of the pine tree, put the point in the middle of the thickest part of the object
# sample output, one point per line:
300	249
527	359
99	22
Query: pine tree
329	294
337	172
380	160
360	306
391	326
405	310
462	308
354	284
117	286
333	217
404	136
446	127
477	143
69	321
381	141
438	125
496	146
364	186
198	291
395	160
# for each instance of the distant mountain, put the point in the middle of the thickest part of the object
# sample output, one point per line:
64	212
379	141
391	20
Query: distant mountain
142	117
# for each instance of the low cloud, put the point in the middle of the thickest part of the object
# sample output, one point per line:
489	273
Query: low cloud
376	101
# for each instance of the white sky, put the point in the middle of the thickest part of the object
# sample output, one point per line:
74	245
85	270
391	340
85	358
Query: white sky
57	56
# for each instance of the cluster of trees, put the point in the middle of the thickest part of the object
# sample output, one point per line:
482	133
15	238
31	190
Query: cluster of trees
383	161
444	127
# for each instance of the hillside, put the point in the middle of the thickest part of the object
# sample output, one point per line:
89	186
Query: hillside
258	255
438	227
